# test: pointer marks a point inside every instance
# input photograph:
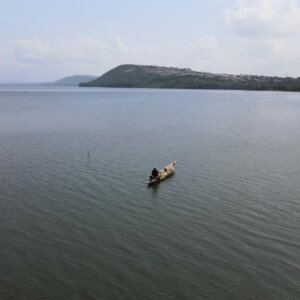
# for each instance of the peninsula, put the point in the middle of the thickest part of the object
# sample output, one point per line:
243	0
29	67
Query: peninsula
142	76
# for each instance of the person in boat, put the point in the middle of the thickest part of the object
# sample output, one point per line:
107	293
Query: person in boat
154	174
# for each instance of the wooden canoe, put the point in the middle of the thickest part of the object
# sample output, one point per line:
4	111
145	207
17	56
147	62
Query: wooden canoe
163	173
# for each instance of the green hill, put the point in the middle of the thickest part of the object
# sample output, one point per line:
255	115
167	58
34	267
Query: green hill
140	76
124	76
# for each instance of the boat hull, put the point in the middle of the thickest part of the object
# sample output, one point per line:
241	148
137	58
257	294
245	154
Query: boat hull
163	174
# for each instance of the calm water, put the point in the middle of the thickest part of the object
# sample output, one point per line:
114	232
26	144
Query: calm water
225	226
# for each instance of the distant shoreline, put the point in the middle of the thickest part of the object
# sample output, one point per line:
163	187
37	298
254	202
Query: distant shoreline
140	76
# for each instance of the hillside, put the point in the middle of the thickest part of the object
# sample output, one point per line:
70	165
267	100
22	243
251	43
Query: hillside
74	80
140	76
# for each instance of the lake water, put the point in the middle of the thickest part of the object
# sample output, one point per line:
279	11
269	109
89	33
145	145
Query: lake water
79	226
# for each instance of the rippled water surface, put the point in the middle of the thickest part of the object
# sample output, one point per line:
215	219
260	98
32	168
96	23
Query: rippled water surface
78	221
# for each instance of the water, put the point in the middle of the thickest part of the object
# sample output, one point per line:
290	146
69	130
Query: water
73	226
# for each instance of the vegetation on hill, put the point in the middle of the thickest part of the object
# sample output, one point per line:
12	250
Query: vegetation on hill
140	76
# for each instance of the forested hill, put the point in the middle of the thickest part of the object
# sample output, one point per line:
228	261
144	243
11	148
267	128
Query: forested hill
140	76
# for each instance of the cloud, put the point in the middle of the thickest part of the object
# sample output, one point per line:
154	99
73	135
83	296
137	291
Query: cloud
265	35
28	50
264	18
31	51
121	45
58	57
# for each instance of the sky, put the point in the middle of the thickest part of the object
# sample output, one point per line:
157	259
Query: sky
47	40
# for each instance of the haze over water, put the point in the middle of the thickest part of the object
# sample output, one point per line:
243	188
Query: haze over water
79	226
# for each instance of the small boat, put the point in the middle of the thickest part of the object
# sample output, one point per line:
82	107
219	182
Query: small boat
164	173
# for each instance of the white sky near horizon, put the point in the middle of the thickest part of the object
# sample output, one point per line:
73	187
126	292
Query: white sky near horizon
47	40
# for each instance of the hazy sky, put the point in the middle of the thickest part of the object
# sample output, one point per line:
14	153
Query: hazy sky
46	40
